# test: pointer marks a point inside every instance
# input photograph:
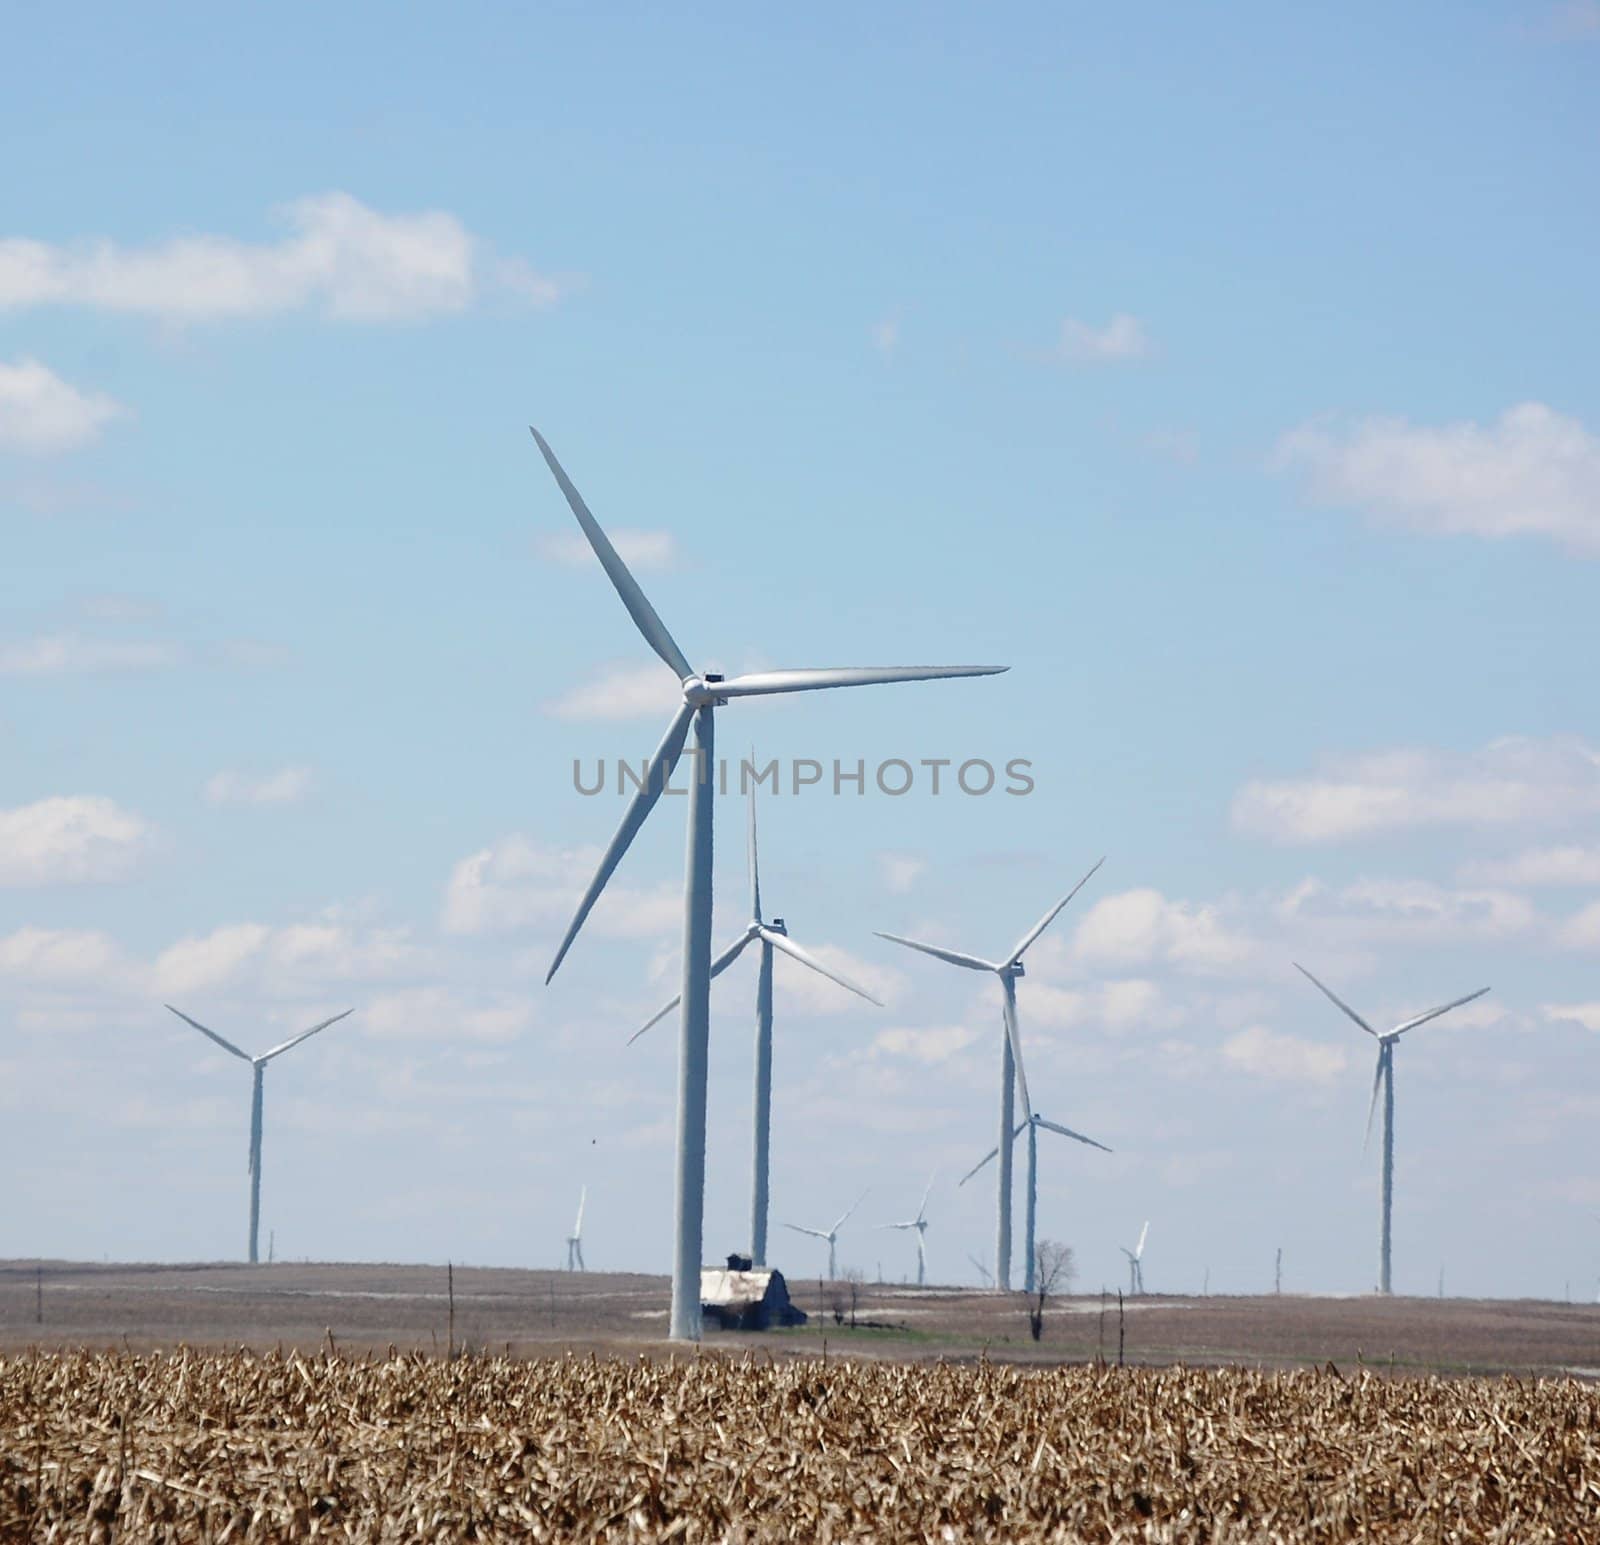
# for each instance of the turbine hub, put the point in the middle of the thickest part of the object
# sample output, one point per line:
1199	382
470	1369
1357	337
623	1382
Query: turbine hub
700	691
1016	969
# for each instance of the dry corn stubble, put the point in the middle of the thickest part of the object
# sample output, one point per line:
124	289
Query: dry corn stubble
251	1447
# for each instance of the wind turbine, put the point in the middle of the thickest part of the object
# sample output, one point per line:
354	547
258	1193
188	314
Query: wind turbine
702	695
771	936
1383	1078
920	1224
831	1235
575	1238
983	1271
1136	1261
1033	1123
258	1066
1011	1070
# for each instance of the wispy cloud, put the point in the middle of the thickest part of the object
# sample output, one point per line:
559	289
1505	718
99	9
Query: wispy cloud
340	257
70	839
1533	472
40	413
72	654
901	871
1143	927
1510	781
644	691
1122	339
283	787
885	335
638	549
1538	867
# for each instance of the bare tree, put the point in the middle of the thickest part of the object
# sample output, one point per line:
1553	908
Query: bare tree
1053	1271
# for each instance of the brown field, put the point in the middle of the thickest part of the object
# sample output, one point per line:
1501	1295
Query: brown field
263	1446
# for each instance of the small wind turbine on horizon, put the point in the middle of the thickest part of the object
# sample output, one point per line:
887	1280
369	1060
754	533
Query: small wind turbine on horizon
258	1067
983	1271
1033	1123
831	1235
1013	1079
1136	1262
575	1238
702	695
771	936
1383	1078
920	1224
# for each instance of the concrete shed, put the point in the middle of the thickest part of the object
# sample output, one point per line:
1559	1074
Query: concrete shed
746	1300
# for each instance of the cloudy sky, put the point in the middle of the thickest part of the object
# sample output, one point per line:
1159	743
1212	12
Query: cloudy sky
1230	376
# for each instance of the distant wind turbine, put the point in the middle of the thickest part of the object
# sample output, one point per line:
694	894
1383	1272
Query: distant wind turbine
1383	1078
831	1235
771	936
1033	1124
920	1224
575	1238
258	1066
983	1271
1136	1261
1011	1069
702	695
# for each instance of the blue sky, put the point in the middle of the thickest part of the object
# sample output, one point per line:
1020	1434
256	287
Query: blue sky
1228	375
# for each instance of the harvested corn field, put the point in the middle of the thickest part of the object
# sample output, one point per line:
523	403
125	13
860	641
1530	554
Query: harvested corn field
252	1447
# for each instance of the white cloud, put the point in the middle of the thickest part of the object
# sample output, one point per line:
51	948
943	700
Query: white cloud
40	412
1283	1058
1585	1014
1414	909
1130	1003
283	787
286	959
927	1046
1582	931
621	692
1509	781
1533	472
886	336
1122	338
199	964
69	839
1142	927
444	1015
1539	867
59	956
901	871
1576	20
638	549
349	261
517	884
72	654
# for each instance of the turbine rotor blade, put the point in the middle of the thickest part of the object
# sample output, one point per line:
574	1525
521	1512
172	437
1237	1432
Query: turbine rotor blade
991	1154
922	1206
718	966
1014	1035
1049	917
781	941
954	957
846	1213
764	683
1422	1019
755	866
1054	1126
639	607
583	1197
1377	1082
660	769
814	1233
305	1035
1144	1233
1334	998
226	1045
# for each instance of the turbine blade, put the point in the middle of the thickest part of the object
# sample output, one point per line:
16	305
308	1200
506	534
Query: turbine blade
1138	1254
577	1228
1377	1081
639	608
718	966
225	1045
1049	917
781	941
1014	1035
955	957
305	1035
814	1233
1422	1019
846	1213
992	1153
922	1206
764	683
755	866
661	765
1334	998
1054	1126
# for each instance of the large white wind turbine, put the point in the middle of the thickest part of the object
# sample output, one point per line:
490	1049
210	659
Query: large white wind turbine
259	1066
920	1224
701	696
831	1235
1136	1261
1011	1069
771	936
1033	1123
575	1238
1383	1078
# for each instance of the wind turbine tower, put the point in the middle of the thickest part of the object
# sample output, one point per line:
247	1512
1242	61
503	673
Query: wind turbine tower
771	936
702	696
1013	1079
1136	1262
258	1066
831	1235
575	1238
1383	1079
